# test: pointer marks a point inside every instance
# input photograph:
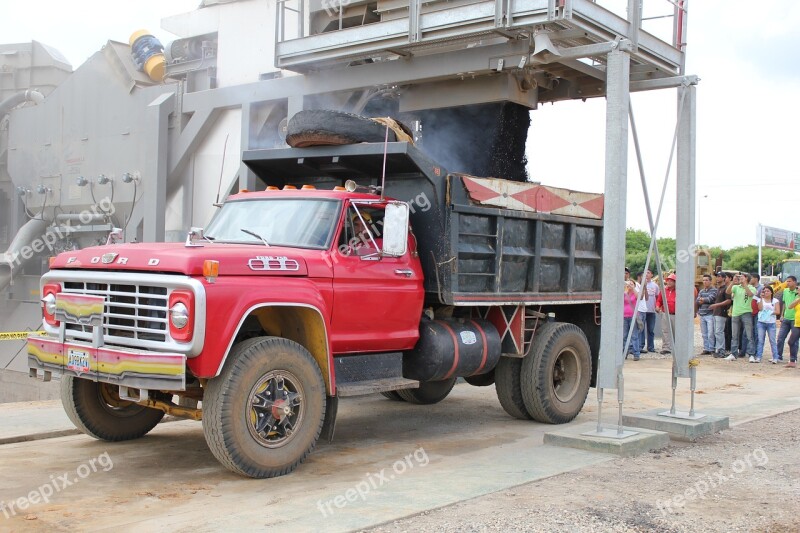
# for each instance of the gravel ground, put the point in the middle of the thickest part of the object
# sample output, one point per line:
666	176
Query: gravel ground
743	479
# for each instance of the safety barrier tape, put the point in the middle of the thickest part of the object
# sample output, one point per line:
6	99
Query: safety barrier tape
17	335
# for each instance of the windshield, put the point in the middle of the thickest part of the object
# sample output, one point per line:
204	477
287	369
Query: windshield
292	222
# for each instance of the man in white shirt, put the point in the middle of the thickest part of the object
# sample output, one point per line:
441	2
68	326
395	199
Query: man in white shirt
649	333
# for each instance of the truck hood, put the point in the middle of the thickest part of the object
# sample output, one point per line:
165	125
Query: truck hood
234	259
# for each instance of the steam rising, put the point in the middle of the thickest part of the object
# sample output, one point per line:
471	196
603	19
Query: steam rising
481	140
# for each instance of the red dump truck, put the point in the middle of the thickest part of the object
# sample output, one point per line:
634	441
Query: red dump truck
340	279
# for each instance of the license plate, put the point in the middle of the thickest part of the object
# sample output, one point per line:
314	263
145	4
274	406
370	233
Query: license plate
77	360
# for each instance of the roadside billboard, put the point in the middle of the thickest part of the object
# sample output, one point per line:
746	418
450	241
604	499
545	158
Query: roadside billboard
781	239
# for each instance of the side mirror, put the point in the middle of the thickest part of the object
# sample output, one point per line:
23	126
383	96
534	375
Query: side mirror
194	233
395	229
114	236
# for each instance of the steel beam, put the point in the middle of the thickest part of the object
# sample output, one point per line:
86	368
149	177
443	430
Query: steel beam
663	83
414	31
451	93
583	68
203	119
154	176
469	62
577	52
617	103
685	231
247	178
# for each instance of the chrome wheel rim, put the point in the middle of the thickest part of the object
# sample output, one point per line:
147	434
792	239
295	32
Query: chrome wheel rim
275	408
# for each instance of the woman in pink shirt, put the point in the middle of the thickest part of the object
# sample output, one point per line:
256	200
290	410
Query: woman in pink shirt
628	307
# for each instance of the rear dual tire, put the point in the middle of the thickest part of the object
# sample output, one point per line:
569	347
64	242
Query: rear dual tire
551	383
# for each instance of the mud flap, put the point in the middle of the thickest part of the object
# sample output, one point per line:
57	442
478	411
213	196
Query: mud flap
329	424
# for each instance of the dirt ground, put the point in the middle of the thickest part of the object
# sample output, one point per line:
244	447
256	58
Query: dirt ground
743	479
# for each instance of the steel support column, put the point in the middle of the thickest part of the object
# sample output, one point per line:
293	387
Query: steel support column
617	102
685	232
247	178
154	177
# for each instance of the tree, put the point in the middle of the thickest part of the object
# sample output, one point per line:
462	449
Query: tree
745	258
637	244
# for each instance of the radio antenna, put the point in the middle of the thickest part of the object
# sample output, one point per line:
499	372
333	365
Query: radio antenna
221	169
385	151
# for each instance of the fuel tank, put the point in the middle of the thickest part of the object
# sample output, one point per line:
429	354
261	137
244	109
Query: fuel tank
452	348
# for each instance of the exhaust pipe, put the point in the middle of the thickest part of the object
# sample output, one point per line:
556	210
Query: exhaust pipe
13	260
20	98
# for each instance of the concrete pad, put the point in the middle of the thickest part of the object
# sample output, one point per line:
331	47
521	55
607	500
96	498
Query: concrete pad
29	421
678	428
574	436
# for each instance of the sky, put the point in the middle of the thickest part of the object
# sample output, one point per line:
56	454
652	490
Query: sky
747	113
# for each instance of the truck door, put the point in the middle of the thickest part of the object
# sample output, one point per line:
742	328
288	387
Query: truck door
377	300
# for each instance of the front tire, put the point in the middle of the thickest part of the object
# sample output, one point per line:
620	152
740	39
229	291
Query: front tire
555	377
96	409
263	414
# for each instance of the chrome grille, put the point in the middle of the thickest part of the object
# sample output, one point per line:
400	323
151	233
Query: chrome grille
132	311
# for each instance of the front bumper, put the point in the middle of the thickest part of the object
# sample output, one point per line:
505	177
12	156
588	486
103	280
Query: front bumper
128	367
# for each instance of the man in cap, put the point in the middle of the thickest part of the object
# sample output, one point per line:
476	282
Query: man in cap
667	310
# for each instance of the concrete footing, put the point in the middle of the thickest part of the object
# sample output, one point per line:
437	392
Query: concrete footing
18	387
678	428
641	441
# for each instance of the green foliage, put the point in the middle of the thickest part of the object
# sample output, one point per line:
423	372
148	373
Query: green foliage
637	244
743	258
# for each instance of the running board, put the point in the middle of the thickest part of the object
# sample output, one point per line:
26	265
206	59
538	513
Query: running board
362	388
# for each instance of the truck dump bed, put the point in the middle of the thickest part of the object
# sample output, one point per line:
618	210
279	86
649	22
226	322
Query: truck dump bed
482	241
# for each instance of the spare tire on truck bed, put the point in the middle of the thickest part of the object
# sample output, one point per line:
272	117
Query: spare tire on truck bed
318	127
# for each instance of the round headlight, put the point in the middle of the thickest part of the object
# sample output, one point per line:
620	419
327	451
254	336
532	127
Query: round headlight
49	302
179	315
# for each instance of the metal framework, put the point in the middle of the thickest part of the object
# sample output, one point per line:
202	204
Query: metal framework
474	51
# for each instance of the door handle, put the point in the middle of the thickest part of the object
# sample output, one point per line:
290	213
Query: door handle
407	272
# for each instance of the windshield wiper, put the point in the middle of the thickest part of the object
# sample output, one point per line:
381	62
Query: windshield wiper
256	235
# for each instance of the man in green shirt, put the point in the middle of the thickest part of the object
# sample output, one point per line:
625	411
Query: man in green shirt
786	296
741	315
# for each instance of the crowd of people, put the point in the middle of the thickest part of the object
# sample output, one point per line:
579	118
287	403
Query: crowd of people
738	316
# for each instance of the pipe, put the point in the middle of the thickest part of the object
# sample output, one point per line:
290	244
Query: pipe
83	218
20	98
13	260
